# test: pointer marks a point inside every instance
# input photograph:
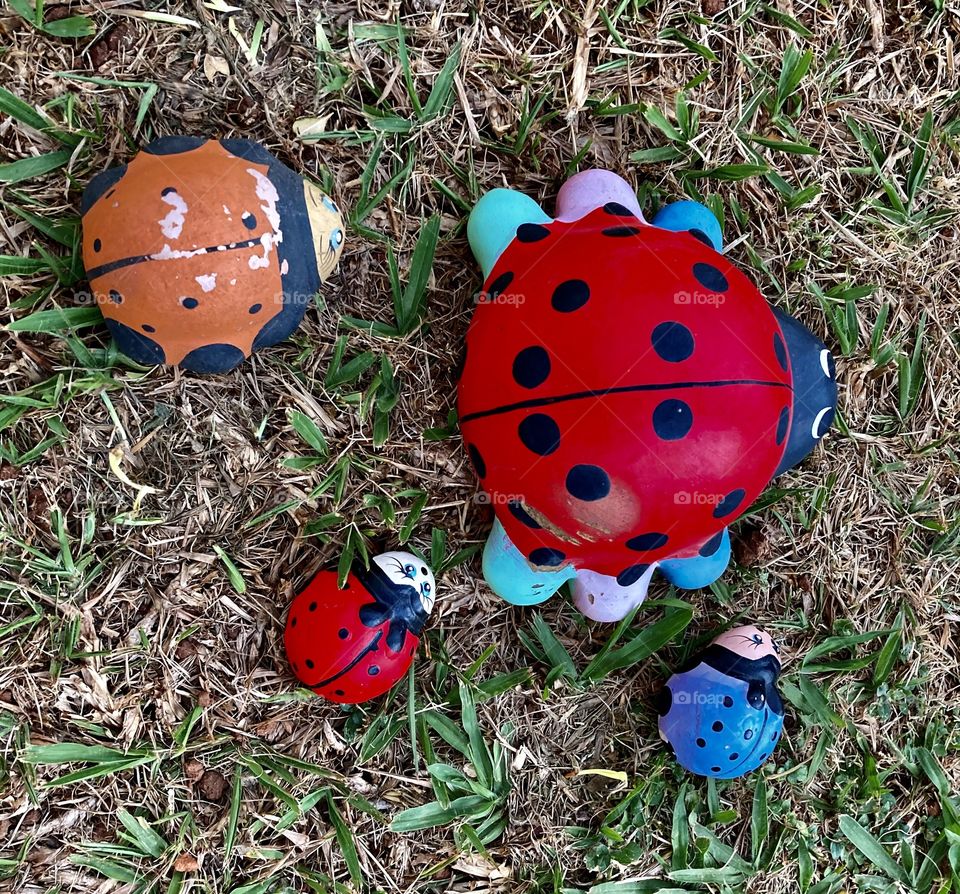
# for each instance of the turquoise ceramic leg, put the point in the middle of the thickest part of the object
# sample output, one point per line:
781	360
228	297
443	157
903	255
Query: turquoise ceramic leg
494	220
510	576
699	571
691	216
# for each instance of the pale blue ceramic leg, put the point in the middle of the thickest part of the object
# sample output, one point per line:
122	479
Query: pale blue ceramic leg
693	217
510	576
698	571
601	598
494	220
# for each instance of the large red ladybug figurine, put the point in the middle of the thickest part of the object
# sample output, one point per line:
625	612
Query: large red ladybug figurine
627	394
352	644
200	252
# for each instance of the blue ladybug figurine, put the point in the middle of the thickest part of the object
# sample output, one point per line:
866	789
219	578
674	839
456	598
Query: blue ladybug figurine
722	713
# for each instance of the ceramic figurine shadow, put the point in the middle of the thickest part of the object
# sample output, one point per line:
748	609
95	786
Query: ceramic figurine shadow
627	394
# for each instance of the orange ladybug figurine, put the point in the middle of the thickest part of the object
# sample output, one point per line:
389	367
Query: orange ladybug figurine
200	252
352	644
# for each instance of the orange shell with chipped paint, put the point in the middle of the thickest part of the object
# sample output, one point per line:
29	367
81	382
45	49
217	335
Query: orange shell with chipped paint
200	252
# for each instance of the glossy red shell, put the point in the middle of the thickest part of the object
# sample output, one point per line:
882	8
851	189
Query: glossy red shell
626	392
330	649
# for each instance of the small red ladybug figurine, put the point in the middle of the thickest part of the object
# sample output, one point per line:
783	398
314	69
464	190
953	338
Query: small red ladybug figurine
352	644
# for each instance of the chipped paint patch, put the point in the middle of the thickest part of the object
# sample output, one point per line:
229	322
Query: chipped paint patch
267	193
172	225
168	254
208	282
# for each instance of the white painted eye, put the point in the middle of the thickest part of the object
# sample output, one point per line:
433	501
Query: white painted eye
406	569
818	421
825	363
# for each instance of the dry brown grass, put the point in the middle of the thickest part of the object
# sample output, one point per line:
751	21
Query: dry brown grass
122	657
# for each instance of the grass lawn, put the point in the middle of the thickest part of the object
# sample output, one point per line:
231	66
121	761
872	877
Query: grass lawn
154	525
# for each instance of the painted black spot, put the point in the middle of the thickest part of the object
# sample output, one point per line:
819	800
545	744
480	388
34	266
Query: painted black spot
116	297
544	557
711	546
672	419
423	570
339	692
780	350
148	328
734	756
701	743
714	769
620	232
256	308
763	756
99	185
293	622
631	575
530	232
216	358
586	482
518	511
309	663
703	237
97	245
136	345
783	424
531	367
173	145
249	221
730	502
477	460
373	670
312	607
709	277
748	734
189	303
499	285
618	209
773	738
644	542
539	433
570	296
343	633
727	701
168	190
673	342
717	726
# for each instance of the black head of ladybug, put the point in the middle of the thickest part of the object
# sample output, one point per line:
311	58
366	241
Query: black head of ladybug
747	654
403	589
814	388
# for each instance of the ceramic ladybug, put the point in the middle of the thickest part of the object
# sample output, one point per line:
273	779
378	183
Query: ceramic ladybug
200	252
722	713
627	393
352	644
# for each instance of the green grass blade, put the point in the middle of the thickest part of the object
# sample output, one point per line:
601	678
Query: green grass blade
36	166
875	852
